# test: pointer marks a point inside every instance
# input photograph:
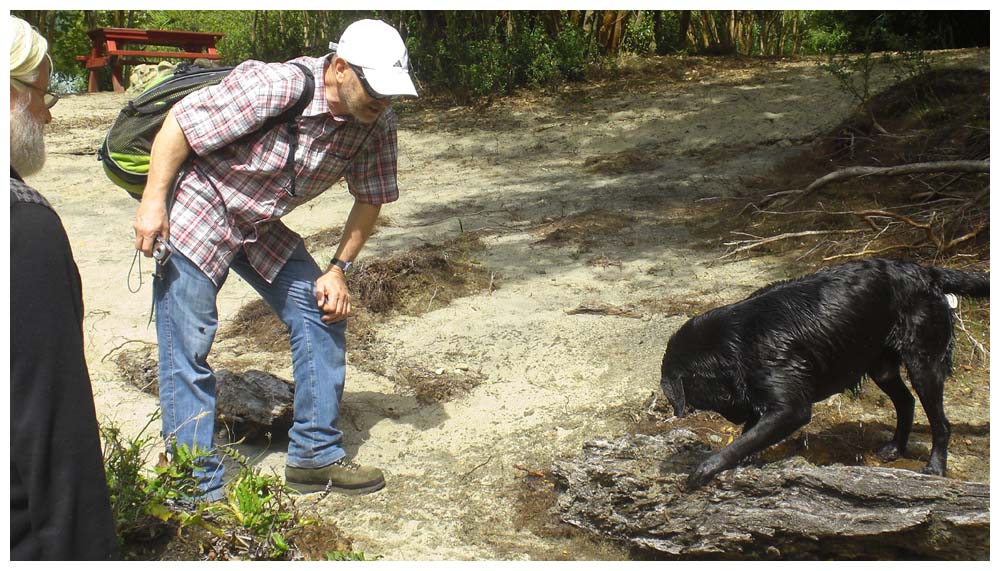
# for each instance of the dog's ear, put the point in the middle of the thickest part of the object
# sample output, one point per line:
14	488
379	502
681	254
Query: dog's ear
674	390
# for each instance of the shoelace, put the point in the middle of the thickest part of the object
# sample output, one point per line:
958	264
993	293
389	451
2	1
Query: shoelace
345	464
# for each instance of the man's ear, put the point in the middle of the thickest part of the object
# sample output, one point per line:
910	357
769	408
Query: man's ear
340	67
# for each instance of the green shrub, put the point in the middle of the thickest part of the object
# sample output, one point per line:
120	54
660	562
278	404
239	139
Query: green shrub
255	520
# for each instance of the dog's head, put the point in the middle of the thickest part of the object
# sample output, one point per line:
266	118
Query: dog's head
674	389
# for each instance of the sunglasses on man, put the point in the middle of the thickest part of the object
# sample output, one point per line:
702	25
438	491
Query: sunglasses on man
49	98
367	87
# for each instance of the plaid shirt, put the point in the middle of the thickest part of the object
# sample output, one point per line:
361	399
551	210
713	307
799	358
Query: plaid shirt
235	193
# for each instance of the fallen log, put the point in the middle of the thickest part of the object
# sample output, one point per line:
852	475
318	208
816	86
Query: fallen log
247	403
253	402
632	489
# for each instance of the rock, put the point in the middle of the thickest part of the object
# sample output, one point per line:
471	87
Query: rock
632	489
145	75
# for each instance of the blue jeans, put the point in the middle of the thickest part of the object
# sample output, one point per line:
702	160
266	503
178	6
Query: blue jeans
186	322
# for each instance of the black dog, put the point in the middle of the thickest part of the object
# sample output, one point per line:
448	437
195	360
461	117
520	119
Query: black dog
763	361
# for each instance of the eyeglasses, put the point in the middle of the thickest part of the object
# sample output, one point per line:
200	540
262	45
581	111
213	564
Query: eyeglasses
49	98
368	88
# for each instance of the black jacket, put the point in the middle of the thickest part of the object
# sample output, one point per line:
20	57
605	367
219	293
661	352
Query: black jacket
59	507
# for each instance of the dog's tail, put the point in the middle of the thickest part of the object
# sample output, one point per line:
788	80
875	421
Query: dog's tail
969	284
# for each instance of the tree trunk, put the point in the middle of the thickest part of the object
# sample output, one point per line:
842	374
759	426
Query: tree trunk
632	489
685	25
618	34
658	33
732	34
709	32
795	33
706	40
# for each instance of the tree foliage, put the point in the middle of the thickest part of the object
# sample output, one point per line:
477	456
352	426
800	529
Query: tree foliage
480	53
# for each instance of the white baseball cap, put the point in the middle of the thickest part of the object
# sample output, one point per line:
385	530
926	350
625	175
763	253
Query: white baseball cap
377	49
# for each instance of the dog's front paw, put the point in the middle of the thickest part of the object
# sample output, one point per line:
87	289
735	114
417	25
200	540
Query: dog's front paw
701	475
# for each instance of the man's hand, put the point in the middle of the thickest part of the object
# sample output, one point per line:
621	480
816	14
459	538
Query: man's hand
332	297
151	221
170	150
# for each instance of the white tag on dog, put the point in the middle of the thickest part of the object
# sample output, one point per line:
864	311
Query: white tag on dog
952	300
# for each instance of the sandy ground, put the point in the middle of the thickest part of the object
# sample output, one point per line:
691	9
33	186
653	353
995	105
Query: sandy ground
642	148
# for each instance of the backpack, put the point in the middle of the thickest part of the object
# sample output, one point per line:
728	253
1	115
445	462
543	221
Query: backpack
125	151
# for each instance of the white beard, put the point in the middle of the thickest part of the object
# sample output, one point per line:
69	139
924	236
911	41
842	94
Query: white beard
27	142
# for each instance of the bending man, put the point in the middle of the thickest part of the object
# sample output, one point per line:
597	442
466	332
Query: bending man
232	189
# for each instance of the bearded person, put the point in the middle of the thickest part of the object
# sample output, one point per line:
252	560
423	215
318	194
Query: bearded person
59	506
217	189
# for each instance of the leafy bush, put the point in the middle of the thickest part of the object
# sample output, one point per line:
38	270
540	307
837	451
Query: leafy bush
534	57
639	36
825	41
140	504
258	518
572	53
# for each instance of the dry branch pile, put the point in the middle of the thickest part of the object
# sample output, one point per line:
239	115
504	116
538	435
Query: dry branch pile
421	279
919	188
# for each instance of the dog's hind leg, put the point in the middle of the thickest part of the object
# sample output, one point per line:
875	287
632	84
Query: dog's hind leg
928	382
777	422
885	373
928	361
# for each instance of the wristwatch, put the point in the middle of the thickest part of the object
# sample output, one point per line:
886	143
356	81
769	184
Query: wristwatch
344	266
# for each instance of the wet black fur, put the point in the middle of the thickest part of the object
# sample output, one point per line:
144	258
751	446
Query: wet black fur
763	361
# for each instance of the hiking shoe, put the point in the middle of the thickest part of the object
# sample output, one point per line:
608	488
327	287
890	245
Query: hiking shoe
341	476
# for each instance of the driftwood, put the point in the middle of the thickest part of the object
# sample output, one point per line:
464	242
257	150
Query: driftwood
253	401
247	403
632	489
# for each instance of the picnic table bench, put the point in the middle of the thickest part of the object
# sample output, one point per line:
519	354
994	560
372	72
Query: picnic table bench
115	48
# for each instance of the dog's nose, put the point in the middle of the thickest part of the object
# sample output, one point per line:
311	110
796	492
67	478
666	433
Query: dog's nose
674	389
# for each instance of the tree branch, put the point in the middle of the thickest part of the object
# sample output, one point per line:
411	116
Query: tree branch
914	168
758	242
968	166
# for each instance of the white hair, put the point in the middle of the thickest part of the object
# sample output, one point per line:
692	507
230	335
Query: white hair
28	49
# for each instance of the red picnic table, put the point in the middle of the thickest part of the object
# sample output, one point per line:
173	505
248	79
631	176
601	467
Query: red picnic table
108	49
